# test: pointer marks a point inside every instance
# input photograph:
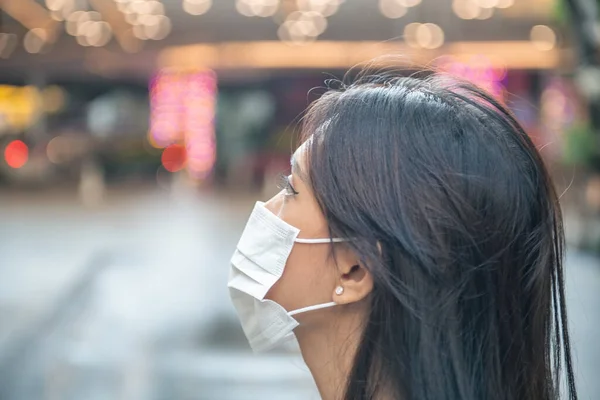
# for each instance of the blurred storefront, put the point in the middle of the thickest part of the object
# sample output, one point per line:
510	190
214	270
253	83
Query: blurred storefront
229	79
143	89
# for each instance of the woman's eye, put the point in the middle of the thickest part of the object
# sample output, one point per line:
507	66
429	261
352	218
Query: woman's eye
285	184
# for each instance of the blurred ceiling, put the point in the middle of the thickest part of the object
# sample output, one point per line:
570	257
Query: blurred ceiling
355	21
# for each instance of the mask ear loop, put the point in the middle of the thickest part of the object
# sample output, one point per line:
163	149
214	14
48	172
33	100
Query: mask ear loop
281	208
324	305
318	241
313	308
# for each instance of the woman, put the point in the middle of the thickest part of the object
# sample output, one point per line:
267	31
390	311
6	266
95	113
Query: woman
415	252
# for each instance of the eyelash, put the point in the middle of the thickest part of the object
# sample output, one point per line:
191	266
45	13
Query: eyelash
285	184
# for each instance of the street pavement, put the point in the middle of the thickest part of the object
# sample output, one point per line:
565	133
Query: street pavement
128	300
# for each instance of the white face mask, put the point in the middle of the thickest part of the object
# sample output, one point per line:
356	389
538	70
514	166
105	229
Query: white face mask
256	265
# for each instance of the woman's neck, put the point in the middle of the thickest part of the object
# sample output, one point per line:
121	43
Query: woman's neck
329	353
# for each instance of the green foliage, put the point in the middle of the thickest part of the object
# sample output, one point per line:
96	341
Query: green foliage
560	12
581	146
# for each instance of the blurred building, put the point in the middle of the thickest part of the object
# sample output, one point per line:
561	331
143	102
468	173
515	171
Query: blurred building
227	79
107	91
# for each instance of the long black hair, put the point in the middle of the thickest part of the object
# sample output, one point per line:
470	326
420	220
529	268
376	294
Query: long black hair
452	211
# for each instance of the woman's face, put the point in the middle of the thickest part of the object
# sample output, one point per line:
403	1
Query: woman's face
311	274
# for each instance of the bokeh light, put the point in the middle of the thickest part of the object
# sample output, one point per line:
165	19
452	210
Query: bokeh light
466	9
409	3
55	5
543	37
56	149
16	154
19	106
65	148
88	28
392	8
302	26
487	3
61	9
426	36
174	158
326	8
410	34
477	69
148	18
35	40
157	27
197	7
73	21
98	33
429	36
485	13
257	8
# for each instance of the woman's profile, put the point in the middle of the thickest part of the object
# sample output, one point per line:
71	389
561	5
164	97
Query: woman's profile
415	252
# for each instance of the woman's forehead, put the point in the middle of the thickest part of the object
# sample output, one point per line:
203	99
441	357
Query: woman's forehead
298	160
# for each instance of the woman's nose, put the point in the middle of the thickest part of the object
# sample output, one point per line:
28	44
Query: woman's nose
275	203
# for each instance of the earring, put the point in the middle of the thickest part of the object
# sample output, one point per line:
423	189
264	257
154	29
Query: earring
339	290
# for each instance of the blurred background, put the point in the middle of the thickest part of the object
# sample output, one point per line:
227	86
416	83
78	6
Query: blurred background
135	136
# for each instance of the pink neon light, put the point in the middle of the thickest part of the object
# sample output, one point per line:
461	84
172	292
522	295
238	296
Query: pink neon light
183	107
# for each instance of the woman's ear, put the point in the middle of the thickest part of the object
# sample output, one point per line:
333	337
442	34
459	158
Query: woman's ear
355	284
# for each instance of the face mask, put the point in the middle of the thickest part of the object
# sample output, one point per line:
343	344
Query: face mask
256	265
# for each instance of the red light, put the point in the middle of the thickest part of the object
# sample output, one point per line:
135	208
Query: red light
174	158
16	154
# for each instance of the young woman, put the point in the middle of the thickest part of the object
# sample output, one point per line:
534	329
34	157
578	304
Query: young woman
415	251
